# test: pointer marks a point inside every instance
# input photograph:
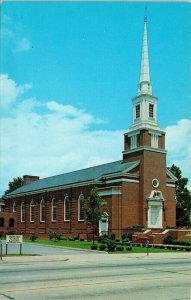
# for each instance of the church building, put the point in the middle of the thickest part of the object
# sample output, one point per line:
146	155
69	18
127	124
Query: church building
139	189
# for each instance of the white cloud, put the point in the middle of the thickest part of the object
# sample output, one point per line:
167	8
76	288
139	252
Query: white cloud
14	34
9	90
178	144
23	45
70	112
52	138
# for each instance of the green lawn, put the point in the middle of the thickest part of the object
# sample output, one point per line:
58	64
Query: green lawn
87	245
65	243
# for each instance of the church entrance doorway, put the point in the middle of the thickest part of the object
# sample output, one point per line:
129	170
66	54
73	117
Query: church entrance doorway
155	210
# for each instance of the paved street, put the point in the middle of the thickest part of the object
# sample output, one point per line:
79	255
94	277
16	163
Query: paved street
33	248
77	275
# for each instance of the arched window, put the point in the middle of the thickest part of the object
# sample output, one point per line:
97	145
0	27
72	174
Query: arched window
66	209
81	207
22	212
32	211
14	207
54	208
42	210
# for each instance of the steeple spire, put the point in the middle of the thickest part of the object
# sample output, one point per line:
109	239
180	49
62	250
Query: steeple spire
144	104
145	86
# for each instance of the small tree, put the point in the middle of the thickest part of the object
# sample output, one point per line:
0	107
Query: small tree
183	198
14	184
93	211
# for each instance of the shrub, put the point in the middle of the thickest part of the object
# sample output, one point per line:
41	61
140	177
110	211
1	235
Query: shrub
126	243
126	240
124	236
102	247
162	247
119	248
182	242
111	245
51	234
2	235
127	236
81	240
102	238
112	237
130	235
129	248
33	236
168	240
59	236
104	241
94	247
138	226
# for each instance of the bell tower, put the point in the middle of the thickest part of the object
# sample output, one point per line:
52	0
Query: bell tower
145	141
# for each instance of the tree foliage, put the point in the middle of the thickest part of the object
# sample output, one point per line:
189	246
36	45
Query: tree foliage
183	199
93	211
14	184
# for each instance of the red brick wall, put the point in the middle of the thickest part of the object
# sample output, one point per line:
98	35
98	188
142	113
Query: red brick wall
130	204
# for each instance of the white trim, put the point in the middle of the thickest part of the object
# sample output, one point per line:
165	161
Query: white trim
145	148
32	206
157	183
42	200
129	134
133	141
171	175
23	212
156	132
170	185
79	209
66	198
14	207
154	140
53	199
122	180
110	193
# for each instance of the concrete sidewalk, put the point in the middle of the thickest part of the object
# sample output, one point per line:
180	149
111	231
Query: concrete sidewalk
79	258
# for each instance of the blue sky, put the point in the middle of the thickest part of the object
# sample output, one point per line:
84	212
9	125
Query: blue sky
68	73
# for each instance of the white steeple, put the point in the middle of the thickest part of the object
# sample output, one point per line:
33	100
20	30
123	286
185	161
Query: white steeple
145	86
145	104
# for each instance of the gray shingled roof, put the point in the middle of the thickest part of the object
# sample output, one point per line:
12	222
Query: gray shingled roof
75	177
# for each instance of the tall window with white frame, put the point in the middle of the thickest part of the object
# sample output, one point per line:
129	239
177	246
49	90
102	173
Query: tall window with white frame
81	207
32	212
134	141
42	210
66	209
14	207
22	212
53	210
151	110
